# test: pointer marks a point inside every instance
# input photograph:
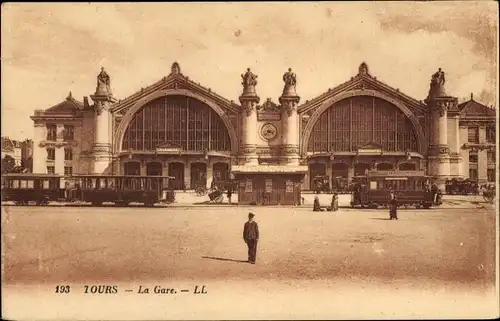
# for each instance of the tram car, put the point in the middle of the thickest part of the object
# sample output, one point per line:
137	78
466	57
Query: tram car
321	184
412	188
29	188
461	187
121	190
341	185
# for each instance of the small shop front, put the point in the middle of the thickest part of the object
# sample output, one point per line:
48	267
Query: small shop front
269	185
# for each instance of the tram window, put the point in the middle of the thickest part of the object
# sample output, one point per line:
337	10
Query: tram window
23	184
111	182
15	183
30	184
103	182
373	185
46	184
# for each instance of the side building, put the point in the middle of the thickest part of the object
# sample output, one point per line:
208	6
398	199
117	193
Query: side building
180	128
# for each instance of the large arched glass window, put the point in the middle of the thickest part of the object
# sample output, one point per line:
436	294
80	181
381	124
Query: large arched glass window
354	122
182	121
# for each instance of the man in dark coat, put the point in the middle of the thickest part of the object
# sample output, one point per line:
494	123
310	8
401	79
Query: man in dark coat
393	211
251	236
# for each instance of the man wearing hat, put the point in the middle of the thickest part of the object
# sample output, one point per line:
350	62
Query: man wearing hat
251	236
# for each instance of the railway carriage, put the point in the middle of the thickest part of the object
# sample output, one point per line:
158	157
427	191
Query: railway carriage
29	188
412	188
122	190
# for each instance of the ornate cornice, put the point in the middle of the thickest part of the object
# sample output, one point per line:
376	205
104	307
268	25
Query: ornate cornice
57	144
473	147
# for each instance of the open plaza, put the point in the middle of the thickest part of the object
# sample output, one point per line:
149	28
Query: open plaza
329	259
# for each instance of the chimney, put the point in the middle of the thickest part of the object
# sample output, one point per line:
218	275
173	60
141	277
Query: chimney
471	96
86	102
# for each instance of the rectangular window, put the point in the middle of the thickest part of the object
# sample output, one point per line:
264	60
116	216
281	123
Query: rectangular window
68	154
491	157
68	170
51	132
473	157
473	174
69	132
51	154
473	135
51	169
491	175
490	135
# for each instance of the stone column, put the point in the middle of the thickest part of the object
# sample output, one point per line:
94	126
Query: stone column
439	151
101	148
289	101
440	105
39	153
454	144
249	101
210	174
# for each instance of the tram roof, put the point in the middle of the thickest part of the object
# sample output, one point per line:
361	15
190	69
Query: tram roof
30	175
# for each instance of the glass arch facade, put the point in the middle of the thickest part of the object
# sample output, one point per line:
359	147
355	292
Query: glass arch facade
178	120
357	121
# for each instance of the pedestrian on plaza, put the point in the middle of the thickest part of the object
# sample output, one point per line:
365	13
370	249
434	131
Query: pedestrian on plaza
316	204
251	237
229	194
393	210
335	202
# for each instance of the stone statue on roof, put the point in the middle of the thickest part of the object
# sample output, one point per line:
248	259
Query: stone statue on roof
437	84
290	80
103	83
249	82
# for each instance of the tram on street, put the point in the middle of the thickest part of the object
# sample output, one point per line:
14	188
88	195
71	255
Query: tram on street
411	188
120	190
29	188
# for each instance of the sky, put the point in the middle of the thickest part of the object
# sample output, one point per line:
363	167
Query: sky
49	49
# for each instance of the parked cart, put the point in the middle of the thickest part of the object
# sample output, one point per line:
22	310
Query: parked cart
216	196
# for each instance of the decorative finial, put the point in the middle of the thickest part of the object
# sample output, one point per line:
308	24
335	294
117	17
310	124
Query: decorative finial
70	96
471	96
176	69
363	69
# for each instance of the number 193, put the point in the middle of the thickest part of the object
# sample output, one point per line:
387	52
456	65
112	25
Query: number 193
62	289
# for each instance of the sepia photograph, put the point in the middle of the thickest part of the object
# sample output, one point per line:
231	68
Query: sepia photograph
249	160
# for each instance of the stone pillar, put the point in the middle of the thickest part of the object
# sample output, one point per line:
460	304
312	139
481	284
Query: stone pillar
101	148
249	101
289	120
440	105
39	153
210	174
439	152
187	175
454	144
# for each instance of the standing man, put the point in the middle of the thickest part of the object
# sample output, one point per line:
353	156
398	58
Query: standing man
251	236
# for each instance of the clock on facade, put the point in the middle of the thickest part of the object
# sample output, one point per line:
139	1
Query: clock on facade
268	131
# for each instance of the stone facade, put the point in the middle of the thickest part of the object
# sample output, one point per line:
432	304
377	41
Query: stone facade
180	128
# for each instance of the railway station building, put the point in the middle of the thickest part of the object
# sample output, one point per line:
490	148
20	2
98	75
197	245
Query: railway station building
179	128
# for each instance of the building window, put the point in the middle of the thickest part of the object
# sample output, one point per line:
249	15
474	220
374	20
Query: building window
491	175
491	157
51	169
473	135
69	132
51	154
473	157
68	154
68	170
51	132
473	174
490	135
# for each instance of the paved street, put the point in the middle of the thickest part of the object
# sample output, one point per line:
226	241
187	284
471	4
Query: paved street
425	250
